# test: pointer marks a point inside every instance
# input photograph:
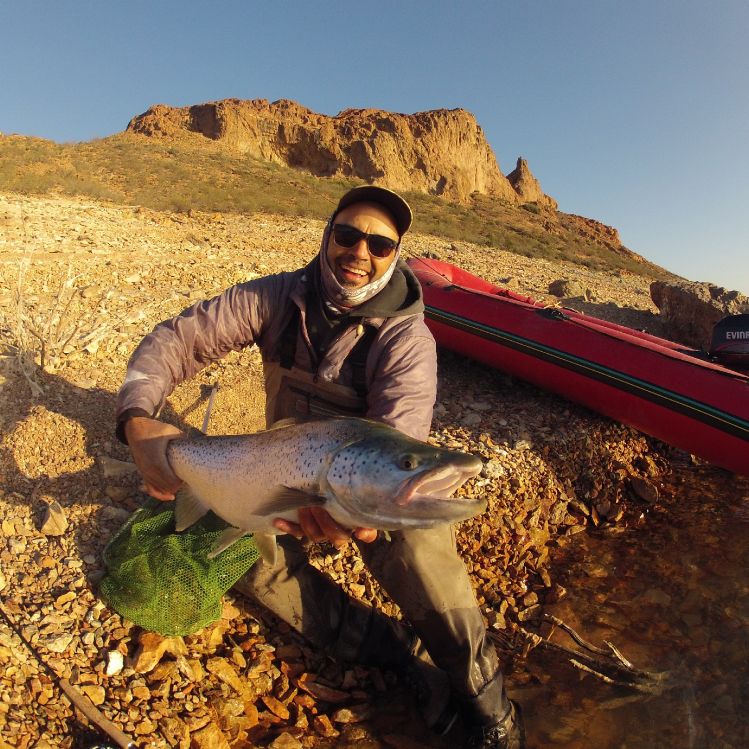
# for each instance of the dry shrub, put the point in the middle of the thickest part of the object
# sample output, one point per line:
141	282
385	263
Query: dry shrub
37	333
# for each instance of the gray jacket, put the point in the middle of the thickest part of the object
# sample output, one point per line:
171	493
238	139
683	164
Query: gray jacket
401	366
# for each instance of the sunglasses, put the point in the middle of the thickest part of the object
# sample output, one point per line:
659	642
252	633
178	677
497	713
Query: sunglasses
349	236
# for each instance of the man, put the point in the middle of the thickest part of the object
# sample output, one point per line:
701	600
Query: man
344	335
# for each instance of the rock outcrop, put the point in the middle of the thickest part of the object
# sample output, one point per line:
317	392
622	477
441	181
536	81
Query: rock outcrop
528	187
594	230
440	152
690	310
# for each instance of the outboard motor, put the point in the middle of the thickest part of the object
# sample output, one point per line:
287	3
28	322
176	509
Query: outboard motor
730	342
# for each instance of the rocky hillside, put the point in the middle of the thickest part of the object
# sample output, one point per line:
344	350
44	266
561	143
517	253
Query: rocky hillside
196	173
92	279
440	152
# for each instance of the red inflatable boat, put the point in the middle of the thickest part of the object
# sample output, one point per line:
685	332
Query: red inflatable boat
652	384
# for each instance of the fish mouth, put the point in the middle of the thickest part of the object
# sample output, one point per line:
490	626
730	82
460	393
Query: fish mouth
440	509
430	494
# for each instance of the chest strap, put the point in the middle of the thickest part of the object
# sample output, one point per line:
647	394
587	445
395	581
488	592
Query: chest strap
287	344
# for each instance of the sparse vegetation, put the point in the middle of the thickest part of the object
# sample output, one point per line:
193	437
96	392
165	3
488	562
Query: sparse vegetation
36	335
130	169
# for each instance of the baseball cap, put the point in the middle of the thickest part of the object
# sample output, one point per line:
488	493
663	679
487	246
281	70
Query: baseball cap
372	194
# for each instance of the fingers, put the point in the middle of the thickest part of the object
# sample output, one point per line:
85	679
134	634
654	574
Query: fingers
148	440
156	493
317	525
286	526
367	535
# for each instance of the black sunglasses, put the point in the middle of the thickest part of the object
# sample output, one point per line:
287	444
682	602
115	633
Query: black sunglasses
349	236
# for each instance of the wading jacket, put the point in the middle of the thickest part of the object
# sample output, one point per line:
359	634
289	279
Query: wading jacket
401	365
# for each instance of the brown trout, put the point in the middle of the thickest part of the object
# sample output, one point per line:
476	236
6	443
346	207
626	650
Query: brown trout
364	473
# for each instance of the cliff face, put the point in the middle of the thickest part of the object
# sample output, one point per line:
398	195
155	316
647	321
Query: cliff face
441	152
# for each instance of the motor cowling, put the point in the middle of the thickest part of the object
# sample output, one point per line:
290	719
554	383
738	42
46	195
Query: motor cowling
730	342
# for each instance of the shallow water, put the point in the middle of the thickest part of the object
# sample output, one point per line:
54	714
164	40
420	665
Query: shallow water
672	593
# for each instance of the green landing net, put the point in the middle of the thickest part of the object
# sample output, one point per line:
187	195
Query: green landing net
162	580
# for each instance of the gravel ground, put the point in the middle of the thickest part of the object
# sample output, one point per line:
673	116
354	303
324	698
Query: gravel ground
552	470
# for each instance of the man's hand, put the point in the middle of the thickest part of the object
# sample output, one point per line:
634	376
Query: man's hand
148	440
317	525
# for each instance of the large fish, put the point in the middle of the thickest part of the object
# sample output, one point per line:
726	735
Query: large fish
364	473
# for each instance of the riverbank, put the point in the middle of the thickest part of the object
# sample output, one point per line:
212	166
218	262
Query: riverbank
552	470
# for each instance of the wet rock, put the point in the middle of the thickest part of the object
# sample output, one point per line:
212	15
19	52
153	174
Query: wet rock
471	419
275	706
398	741
644	489
353	714
324	727
307	683
657	596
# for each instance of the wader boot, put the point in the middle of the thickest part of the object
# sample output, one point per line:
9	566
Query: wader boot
445	659
508	733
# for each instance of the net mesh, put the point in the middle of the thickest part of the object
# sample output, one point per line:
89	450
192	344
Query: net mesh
162	580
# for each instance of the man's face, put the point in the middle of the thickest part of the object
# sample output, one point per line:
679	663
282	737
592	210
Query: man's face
356	266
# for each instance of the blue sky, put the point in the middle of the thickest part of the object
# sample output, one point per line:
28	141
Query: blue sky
630	112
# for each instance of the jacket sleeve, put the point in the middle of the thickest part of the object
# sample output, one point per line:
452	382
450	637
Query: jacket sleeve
179	348
403	388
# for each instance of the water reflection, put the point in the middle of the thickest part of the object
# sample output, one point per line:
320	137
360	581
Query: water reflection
673	594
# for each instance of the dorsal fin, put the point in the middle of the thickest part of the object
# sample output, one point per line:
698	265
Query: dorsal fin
288	422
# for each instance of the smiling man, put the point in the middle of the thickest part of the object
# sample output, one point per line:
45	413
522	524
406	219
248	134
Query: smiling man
361	246
343	335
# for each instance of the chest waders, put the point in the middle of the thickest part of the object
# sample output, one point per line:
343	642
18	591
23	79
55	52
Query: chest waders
420	570
293	391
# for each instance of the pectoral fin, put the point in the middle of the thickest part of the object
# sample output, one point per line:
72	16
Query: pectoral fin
284	499
225	540
188	509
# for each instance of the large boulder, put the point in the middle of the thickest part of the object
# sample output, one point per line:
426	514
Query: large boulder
689	310
441	152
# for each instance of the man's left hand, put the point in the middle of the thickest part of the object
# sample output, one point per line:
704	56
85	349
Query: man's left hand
317	525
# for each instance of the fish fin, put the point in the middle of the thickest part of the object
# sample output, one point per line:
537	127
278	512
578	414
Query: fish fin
292	421
266	545
284	499
225	540
188	509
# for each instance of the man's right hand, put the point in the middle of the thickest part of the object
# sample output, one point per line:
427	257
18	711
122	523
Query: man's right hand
148	440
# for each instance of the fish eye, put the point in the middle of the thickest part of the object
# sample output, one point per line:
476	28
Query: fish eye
408	462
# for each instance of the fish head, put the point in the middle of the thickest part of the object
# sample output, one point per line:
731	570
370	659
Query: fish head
389	481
